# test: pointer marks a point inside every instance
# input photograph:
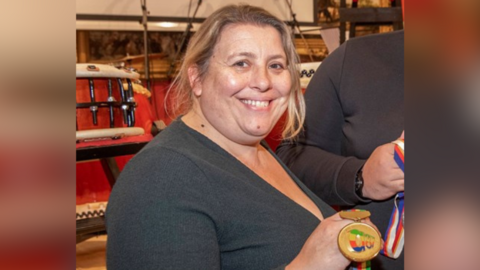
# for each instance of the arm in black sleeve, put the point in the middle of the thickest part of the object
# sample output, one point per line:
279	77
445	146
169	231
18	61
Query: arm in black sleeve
158	216
316	157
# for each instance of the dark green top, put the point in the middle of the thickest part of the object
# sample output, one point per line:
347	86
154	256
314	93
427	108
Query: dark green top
185	203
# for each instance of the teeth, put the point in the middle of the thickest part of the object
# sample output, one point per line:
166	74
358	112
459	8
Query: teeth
256	103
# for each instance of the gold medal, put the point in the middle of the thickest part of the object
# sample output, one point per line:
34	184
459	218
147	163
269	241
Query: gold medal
358	241
354	215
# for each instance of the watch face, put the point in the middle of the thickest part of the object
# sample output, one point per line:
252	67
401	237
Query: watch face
359	181
358	185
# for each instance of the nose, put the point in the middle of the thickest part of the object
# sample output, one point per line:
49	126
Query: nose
261	79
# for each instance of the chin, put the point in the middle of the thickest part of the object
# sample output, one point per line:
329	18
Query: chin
259	134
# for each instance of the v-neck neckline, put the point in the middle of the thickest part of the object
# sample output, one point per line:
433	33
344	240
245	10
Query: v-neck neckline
265	185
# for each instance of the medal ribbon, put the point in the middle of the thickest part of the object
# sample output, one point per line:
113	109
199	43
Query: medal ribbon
394	237
362	265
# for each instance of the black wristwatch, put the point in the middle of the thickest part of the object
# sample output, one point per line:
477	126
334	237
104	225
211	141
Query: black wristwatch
359	183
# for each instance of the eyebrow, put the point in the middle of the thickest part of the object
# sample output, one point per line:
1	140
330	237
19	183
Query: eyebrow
252	55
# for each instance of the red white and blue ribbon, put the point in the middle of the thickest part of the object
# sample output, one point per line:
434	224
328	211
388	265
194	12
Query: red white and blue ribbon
394	237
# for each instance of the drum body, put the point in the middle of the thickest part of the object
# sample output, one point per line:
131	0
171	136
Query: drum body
106	101
110	106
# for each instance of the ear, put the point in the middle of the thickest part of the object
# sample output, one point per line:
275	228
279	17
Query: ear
194	79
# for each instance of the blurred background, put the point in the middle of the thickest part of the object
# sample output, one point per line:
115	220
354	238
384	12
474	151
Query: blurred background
150	39
40	171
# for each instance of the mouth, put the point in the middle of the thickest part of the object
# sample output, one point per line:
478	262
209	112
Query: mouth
256	103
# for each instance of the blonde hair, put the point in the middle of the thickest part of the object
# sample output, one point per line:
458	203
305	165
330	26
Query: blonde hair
200	49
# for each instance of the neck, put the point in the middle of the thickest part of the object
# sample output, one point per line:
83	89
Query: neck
247	153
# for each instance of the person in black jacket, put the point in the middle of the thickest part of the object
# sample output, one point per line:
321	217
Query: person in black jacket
354	110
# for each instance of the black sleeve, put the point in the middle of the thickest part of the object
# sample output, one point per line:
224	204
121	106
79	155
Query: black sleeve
316	156
159	217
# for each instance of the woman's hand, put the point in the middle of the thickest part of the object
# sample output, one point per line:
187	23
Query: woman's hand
321	251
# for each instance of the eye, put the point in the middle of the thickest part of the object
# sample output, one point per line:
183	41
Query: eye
240	64
277	66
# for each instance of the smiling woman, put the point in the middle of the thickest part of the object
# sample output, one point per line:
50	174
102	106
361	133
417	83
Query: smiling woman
246	88
201	49
207	193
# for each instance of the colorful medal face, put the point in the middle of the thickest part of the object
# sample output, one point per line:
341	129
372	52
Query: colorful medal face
359	242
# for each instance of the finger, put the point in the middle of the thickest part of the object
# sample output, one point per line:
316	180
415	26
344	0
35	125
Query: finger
396	181
389	148
394	186
336	217
403	135
397	173
386	151
400	185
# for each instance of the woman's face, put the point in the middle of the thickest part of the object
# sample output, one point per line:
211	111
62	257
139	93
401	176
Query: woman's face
247	85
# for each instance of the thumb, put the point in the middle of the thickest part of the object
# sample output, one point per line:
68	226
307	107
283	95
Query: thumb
403	135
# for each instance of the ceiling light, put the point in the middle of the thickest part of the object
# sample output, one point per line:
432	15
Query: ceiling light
167	24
